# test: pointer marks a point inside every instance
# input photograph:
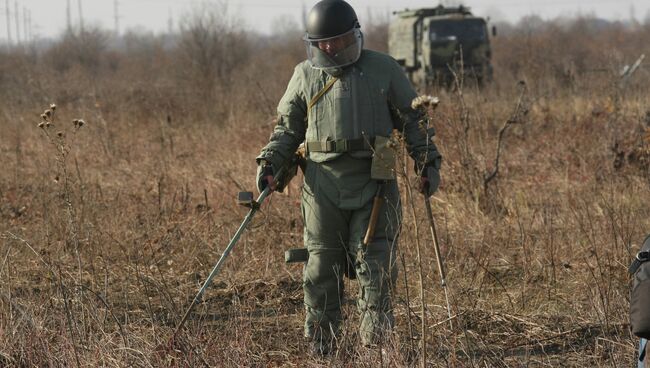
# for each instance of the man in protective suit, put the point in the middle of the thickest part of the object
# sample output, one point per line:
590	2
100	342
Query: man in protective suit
341	102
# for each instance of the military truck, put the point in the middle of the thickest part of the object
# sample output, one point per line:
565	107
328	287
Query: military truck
430	43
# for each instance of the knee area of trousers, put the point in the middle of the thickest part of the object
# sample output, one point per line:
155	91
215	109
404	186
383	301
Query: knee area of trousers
324	265
376	272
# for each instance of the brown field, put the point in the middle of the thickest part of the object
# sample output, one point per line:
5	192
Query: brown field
108	231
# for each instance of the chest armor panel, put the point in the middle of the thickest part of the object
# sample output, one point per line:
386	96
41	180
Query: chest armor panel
355	107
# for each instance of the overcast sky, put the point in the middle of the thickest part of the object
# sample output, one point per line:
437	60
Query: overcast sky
48	17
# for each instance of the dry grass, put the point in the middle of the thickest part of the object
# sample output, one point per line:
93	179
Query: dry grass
107	233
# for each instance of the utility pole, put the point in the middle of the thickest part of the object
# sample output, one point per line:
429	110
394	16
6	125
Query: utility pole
25	29
8	14
117	17
170	23
369	20
68	16
81	17
17	22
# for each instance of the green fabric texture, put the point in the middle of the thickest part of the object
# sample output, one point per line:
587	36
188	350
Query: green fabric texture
371	98
333	233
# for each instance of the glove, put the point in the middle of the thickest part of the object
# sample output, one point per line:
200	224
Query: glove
265	176
429	181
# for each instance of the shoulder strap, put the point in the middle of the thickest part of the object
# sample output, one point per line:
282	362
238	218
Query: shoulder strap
320	94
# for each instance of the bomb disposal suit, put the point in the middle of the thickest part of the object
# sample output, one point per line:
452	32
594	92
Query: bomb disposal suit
341	102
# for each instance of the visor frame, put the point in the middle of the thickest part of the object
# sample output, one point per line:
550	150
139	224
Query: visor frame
316	56
307	38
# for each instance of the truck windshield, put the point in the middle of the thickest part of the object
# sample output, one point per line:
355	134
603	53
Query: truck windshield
462	30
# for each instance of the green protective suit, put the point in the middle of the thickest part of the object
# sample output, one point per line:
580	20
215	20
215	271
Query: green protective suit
370	98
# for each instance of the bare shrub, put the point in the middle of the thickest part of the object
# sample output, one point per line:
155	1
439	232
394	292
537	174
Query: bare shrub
565	51
211	46
375	31
84	48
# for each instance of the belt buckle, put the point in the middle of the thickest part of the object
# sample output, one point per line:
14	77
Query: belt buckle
329	145
340	145
643	256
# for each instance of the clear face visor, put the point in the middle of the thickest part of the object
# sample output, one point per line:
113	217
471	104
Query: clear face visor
335	52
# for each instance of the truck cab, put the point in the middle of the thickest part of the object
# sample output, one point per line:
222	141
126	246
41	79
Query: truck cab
433	44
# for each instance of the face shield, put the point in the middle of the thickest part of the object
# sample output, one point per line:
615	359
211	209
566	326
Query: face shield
335	52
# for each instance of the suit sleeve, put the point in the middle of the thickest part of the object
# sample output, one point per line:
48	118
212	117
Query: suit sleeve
290	129
412	123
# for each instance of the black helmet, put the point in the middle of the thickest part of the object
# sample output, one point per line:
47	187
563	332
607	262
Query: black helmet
330	18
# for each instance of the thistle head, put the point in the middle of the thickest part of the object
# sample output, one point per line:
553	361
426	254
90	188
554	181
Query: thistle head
425	101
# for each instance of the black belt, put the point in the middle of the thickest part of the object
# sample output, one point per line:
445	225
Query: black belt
341	145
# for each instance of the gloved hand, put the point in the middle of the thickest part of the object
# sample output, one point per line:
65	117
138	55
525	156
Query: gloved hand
429	181
265	176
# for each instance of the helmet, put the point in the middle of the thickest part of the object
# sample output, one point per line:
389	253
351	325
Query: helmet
330	18
333	36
